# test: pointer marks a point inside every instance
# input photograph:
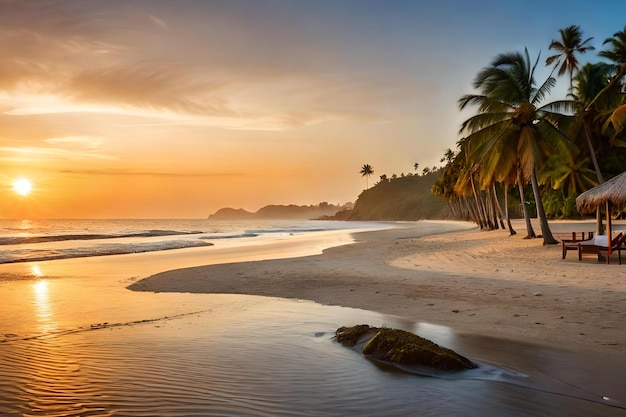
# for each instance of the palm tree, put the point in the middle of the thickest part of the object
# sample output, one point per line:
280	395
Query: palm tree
617	54
509	111
366	171
571	43
589	82
569	173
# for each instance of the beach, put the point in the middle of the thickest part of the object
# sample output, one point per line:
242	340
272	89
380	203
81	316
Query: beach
476	282
246	327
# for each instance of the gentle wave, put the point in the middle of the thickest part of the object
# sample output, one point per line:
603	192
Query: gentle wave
289	230
44	240
32	255
236	236
19	240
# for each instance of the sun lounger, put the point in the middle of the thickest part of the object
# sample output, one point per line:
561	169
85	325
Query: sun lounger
617	245
572	244
599	244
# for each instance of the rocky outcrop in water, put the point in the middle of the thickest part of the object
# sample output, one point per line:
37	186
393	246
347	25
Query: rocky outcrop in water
402	348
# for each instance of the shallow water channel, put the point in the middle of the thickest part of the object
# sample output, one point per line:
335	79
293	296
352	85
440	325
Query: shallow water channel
256	356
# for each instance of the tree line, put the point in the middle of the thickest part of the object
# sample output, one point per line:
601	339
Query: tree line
520	138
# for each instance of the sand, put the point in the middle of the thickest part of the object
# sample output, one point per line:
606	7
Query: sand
476	282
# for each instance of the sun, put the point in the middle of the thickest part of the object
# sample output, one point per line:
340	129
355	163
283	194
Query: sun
22	186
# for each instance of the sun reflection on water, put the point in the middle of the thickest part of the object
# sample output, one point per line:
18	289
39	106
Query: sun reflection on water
43	309
36	271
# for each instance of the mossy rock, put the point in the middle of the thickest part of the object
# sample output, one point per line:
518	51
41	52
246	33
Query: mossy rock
350	336
403	348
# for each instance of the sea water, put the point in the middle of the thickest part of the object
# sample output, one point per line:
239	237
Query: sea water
75	342
42	240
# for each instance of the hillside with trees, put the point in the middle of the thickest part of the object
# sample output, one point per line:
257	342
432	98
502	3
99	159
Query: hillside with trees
407	197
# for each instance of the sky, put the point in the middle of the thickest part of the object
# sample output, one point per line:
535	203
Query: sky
175	109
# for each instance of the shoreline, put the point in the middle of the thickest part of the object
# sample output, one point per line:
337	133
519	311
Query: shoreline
483	283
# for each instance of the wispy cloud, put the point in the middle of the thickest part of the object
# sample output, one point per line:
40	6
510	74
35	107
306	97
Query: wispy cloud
34	154
126	173
81	141
150	58
146	87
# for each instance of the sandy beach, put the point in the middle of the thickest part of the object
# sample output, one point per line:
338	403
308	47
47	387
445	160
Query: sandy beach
476	282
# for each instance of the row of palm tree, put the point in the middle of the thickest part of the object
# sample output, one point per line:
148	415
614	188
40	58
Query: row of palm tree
367	171
518	137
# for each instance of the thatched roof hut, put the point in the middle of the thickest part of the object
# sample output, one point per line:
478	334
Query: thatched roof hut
612	191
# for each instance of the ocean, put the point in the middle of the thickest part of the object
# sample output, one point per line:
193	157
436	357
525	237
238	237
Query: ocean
74	341
44	240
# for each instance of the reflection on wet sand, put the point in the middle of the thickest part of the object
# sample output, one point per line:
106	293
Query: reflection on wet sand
43	310
261	356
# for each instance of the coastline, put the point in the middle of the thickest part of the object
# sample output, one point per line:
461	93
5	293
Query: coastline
476	282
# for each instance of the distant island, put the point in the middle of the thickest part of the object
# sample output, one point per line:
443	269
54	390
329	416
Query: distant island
291	212
405	197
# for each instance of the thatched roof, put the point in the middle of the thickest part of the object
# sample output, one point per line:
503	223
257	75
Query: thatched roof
613	190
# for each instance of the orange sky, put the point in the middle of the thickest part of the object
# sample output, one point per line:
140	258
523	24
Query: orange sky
174	109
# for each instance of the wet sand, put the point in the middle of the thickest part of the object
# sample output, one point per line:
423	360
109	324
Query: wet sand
476	282
76	341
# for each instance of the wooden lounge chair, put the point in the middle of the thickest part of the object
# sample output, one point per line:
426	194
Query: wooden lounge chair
621	247
599	244
572	244
617	245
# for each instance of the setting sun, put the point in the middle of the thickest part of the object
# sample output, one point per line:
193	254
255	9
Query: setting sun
22	186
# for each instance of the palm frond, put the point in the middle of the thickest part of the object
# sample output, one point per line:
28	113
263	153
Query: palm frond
483	120
542	92
617	119
559	106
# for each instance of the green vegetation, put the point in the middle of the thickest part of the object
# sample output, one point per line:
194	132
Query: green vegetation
518	137
407	197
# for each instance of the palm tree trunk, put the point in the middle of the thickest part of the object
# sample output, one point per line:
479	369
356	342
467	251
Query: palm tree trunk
594	159
473	213
460	208
498	207
493	214
506	209
497	218
467	209
479	211
548	239
489	209
592	153
530	233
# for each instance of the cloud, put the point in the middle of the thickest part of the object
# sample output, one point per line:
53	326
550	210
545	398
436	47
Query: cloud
126	173
33	154
146	87
214	63
82	141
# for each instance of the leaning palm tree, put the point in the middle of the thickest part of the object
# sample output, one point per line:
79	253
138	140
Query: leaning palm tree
588	83
366	171
570	44
509	110
593	99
